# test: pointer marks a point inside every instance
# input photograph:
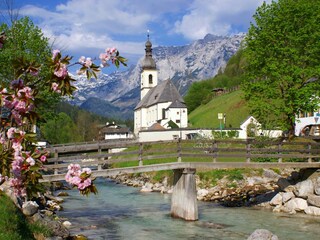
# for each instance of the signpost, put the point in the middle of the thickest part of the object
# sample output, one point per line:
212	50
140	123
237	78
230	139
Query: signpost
220	117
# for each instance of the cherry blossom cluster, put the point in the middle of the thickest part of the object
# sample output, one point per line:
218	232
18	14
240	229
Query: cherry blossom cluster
78	177
19	102
21	162
110	54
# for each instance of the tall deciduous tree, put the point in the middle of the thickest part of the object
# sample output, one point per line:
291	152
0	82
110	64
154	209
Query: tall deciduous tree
25	44
283	62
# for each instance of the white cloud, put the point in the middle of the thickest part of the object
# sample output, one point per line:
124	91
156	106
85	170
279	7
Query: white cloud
218	17
90	26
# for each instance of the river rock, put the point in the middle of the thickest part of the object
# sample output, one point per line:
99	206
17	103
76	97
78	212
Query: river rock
53	198
296	204
311	210
268	173
67	224
56	227
145	188
29	208
276	200
314	200
201	193
304	188
286	196
262	234
256	180
63	194
283	184
317	186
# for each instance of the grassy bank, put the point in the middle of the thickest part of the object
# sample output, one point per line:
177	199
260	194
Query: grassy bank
14	225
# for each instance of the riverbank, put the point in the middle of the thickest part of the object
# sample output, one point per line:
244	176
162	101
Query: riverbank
285	191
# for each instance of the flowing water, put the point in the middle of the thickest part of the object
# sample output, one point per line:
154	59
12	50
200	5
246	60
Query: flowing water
121	212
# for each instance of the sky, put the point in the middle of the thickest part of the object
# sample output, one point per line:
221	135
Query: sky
88	27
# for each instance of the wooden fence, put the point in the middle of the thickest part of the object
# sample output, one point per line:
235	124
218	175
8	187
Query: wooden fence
132	153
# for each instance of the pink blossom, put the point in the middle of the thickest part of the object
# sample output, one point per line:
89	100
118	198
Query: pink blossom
62	71
4	91
55	53
11	132
18	188
88	62
27	91
55	87
31	161
43	158
82	59
21	106
74	168
86	183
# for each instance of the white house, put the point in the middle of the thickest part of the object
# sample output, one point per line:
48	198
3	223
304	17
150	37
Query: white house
114	131
308	124
160	105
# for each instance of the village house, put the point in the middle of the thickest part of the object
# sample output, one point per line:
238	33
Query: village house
114	131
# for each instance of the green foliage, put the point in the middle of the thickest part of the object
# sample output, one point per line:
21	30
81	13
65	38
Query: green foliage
26	47
60	130
201	92
225	134
215	175
282	55
172	124
13	224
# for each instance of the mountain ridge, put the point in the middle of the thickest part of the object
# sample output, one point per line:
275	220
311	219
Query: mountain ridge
184	65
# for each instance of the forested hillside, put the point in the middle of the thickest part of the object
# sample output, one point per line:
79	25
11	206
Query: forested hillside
72	124
200	93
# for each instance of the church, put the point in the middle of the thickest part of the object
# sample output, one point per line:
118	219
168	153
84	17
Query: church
161	106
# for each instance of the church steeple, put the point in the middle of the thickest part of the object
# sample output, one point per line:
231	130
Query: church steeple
149	74
148	62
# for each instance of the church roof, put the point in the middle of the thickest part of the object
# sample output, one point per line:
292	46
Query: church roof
177	104
163	92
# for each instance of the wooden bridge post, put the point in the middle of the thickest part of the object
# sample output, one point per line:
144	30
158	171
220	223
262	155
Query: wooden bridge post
179	150
279	152
99	159
309	152
140	154
184	196
248	150
214	150
56	156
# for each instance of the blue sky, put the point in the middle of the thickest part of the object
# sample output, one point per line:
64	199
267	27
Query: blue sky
87	27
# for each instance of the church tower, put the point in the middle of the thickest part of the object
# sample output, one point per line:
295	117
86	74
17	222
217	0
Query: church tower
149	74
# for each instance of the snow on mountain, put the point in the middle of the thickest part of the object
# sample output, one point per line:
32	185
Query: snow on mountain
197	61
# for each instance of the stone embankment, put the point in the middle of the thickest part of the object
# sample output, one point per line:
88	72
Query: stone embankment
43	211
289	191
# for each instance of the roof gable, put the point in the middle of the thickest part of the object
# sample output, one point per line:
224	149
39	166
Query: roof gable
163	92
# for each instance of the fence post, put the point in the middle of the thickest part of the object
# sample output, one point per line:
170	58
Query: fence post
56	156
248	149
279	152
214	149
309	152
179	150
99	159
140	154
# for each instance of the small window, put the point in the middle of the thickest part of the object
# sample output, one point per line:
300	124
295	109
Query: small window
178	121
150	79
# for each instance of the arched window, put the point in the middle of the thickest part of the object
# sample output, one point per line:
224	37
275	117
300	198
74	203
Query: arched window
150	78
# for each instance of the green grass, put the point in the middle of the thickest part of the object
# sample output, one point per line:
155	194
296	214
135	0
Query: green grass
232	104
13	224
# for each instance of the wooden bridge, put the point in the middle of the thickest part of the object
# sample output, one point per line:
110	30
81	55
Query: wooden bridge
183	157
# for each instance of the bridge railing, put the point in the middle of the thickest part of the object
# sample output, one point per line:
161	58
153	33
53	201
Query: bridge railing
99	155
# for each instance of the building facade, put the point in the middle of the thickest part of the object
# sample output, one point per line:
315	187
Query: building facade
160	105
